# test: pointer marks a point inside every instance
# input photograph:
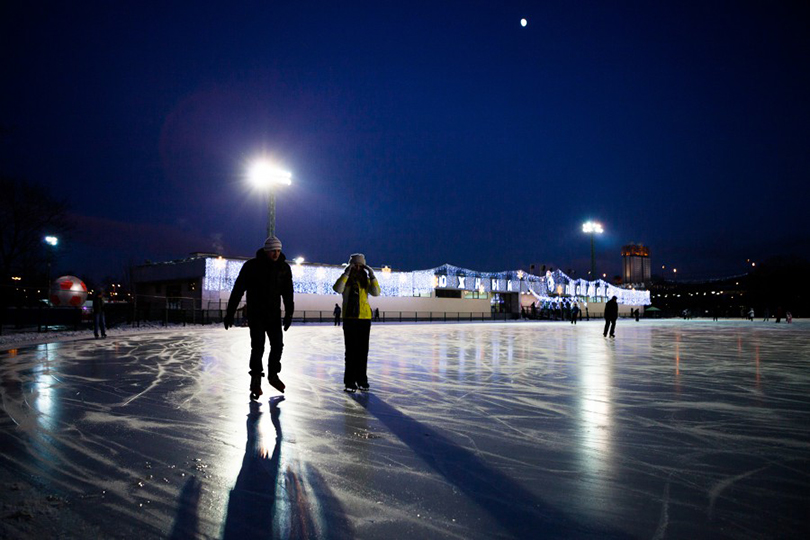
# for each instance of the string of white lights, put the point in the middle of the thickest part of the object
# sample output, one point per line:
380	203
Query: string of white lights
220	275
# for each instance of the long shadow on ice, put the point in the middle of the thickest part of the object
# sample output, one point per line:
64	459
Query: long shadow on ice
304	508
517	510
251	506
186	524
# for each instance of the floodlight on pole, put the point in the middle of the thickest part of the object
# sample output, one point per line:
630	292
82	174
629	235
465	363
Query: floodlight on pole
592	228
266	176
52	241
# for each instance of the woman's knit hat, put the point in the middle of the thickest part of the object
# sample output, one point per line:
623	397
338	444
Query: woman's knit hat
357	258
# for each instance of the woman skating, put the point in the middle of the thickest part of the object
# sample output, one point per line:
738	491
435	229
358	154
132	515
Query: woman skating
356	283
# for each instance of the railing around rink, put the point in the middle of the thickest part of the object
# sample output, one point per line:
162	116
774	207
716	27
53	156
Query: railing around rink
215	316
188	311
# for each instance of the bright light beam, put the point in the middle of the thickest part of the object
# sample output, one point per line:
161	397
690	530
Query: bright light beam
265	175
592	227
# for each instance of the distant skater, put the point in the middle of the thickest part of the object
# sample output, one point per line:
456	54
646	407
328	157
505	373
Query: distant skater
574	314
356	283
99	321
267	279
751	314
336	313
611	314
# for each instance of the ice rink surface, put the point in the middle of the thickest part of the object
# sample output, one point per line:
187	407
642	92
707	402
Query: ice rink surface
675	429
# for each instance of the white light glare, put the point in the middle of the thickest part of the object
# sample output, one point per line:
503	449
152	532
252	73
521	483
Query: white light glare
264	175
592	227
52	240
298	260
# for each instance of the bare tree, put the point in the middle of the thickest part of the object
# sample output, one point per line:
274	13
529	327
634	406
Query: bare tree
27	213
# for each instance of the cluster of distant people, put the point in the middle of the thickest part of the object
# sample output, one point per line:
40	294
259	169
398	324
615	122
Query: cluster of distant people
745	313
565	310
554	311
780	314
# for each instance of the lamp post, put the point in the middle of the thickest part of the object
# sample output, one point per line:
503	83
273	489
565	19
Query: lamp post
593	228
52	241
266	176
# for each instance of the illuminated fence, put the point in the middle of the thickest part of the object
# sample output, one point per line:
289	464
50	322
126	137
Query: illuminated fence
220	275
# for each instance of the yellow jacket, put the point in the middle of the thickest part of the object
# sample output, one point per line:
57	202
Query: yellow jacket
365	307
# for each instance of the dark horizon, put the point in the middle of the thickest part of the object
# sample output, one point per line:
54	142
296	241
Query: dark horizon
420	134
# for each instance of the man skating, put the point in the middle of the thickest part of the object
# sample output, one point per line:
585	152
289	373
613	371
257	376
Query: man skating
266	278
611	314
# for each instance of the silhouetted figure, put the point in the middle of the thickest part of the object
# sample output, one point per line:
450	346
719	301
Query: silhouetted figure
638	313
611	314
267	279
779	314
336	313
377	314
99	321
767	315
751	314
574	314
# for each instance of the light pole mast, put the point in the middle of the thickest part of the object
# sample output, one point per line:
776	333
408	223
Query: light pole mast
271	212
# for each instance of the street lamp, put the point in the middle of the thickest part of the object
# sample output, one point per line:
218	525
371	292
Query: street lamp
52	241
266	176
593	228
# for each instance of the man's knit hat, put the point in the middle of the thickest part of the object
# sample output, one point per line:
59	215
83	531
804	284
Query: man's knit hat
272	243
357	258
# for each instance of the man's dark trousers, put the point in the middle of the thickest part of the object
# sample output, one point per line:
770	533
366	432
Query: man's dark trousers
260	328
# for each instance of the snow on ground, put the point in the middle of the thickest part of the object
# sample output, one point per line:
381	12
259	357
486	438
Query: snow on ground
674	429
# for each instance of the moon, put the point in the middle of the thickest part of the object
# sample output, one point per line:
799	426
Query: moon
523	22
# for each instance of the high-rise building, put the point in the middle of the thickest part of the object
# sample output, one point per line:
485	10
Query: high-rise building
635	263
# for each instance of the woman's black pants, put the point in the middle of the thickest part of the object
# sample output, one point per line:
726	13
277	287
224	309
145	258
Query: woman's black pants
355	334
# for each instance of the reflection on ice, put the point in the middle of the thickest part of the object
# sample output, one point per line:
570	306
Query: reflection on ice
595	363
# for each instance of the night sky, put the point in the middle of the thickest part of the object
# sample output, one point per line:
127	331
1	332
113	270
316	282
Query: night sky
417	132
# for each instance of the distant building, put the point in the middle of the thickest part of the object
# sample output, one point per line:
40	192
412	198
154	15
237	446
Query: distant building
204	281
636	264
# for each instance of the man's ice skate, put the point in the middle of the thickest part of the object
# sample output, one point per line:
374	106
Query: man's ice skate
275	382
364	387
350	388
255	387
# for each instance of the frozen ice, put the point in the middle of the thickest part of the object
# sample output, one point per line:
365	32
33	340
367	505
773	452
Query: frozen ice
674	429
